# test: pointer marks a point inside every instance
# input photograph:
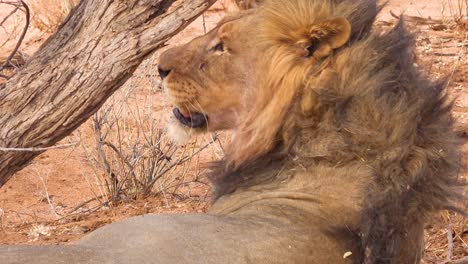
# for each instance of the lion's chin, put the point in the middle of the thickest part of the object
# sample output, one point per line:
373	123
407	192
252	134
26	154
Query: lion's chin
179	133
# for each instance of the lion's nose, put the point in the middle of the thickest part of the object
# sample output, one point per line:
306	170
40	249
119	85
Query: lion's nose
163	73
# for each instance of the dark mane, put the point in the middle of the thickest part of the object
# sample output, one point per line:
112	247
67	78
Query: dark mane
377	110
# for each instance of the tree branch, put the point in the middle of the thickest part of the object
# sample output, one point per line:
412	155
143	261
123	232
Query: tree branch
92	54
64	146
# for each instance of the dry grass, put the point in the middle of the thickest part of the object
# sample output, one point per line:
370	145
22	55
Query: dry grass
130	151
456	10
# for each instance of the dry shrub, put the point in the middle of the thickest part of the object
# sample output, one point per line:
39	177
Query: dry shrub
458	10
131	154
446	239
49	14
13	28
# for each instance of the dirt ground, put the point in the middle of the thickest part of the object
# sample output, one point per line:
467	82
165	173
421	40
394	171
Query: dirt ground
46	203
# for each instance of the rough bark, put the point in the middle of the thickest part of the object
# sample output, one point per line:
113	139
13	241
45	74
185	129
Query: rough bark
92	54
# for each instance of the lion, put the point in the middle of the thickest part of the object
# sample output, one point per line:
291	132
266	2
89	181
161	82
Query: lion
340	152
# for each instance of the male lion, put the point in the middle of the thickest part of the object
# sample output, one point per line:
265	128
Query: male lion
341	149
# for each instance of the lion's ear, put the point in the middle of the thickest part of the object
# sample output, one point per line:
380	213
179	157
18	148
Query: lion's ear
224	30
328	35
340	31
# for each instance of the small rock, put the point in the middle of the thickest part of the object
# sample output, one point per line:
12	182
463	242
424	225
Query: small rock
39	230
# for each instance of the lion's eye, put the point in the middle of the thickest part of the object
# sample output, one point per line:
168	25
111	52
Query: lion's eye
313	46
219	47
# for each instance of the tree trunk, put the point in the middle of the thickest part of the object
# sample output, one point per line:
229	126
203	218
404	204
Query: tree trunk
93	53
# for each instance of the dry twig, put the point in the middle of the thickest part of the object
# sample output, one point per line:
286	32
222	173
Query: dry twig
39	149
8	16
7	63
450	242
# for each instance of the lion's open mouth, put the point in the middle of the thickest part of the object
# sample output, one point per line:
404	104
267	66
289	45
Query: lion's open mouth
193	120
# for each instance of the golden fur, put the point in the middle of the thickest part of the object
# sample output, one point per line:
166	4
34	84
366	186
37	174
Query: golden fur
317	91
247	4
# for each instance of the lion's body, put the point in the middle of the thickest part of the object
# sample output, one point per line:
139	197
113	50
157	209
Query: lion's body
341	149
189	239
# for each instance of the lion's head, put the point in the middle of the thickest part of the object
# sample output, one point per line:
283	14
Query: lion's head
243	76
208	79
